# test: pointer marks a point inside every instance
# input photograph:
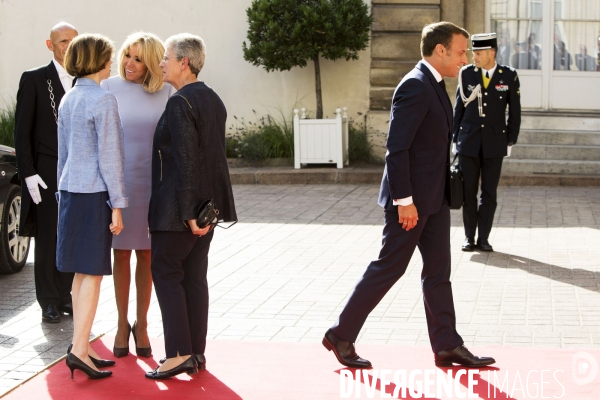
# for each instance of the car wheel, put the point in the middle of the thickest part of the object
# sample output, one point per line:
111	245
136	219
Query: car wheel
13	248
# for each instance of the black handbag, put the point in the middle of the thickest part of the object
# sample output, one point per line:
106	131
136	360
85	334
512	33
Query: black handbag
456	186
207	215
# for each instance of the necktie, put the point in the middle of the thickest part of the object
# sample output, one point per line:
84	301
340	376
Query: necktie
486	79
443	85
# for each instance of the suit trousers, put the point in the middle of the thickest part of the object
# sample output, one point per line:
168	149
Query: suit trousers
51	285
479	217
179	267
432	236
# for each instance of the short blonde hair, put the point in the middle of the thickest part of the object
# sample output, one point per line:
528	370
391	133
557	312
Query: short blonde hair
88	54
151	50
190	46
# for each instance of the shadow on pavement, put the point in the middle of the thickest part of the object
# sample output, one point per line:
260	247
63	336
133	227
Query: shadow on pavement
577	277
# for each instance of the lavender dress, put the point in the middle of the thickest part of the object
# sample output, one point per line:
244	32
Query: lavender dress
139	112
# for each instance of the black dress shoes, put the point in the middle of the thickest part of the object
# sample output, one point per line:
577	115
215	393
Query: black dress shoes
344	351
462	356
140	351
99	363
66	308
189	366
484	245
50	314
469	244
123	351
200	359
75	363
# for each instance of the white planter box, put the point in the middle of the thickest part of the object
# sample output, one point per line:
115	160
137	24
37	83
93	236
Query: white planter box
321	141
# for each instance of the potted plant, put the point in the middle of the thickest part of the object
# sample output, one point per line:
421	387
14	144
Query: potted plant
283	34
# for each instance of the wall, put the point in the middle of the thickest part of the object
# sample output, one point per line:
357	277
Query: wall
396	49
25	24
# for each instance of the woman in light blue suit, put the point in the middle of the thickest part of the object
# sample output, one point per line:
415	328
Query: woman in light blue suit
91	189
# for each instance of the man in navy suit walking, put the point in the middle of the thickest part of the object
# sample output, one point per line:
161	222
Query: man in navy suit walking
415	196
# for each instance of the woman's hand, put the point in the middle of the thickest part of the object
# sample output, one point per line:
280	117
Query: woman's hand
196	230
117	222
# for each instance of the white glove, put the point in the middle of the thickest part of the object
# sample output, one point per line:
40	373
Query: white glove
32	184
454	151
508	150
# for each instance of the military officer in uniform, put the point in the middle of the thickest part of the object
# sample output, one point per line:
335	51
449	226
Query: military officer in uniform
482	135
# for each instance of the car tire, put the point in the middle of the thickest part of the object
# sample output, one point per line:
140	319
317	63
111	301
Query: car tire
13	248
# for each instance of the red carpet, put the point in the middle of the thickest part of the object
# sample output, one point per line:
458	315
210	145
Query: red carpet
276	370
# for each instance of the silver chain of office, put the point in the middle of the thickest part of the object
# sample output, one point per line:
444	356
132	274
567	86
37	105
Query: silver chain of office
52	103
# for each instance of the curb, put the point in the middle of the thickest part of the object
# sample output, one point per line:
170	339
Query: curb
372	176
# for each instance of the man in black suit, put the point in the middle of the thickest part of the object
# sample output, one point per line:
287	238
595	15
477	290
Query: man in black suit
415	196
584	61
36	119
481	135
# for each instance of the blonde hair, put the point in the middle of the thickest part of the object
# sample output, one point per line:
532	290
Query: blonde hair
88	54
151	50
190	46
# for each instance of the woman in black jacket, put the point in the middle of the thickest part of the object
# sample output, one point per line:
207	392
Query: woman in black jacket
189	166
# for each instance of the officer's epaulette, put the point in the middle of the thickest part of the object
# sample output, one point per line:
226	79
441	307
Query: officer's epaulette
506	67
468	67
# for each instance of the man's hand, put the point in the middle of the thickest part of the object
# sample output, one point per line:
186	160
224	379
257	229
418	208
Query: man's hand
408	216
508	150
454	151
196	230
32	183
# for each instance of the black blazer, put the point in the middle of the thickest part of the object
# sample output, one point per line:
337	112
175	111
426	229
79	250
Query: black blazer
492	133
417	158
189	162
35	132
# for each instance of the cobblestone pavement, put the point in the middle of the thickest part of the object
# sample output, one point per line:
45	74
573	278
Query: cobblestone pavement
284	272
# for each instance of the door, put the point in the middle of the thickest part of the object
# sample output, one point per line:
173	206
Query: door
555	46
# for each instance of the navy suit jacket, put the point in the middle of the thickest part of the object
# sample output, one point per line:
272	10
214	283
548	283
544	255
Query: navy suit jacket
417	158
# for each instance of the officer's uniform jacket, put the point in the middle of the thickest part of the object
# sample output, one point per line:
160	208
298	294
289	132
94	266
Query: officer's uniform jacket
491	132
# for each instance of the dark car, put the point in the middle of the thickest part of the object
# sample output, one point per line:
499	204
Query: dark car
13	248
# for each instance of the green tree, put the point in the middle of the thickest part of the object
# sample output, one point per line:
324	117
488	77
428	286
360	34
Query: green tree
287	33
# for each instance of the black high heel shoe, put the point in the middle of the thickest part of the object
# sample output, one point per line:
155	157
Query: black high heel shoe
123	351
140	351
73	362
98	363
189	366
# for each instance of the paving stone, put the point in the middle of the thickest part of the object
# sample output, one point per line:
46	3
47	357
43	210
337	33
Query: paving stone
285	271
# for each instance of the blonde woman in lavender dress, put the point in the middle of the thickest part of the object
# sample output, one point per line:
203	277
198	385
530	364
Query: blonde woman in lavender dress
142	97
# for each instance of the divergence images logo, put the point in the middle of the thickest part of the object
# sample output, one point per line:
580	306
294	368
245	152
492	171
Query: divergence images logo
585	368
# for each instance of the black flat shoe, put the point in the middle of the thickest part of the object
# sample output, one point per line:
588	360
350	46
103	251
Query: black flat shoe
66	308
344	351
75	363
50	314
123	351
200	359
468	245
98	363
483	245
140	351
189	366
462	356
